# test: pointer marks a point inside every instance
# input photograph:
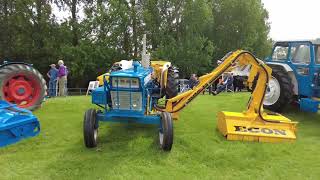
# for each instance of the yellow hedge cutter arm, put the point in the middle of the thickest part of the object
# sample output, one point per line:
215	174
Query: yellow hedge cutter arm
251	125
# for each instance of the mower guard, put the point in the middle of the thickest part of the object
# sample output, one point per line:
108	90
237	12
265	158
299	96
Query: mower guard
245	127
16	124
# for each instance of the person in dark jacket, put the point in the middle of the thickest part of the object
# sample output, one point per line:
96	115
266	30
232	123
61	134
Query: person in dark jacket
193	81
238	83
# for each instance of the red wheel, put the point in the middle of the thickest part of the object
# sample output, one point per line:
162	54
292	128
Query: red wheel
22	85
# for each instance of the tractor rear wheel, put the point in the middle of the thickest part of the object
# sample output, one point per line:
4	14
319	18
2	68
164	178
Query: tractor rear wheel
279	92
172	87
23	85
90	128
166	131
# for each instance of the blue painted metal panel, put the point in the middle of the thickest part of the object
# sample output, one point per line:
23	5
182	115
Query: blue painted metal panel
100	96
309	105
16	124
128	116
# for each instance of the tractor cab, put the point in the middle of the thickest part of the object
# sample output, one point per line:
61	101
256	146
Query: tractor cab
296	66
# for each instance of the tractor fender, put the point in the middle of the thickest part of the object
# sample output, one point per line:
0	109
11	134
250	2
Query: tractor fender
289	70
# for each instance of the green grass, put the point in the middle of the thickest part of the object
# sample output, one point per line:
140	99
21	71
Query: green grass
130	151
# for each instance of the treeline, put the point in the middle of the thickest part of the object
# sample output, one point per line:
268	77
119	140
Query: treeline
192	34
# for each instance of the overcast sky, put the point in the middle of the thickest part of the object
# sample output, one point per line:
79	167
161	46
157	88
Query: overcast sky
293	19
289	19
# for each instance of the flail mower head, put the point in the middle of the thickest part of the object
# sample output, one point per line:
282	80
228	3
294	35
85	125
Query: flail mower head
16	124
254	124
251	127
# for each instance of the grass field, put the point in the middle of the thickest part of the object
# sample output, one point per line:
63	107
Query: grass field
130	151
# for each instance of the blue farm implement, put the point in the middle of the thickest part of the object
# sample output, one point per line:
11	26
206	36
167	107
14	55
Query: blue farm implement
295	75
16	124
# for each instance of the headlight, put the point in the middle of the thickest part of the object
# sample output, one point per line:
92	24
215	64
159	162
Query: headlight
125	82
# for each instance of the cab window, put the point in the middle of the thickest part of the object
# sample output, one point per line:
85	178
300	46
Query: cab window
318	54
300	54
280	53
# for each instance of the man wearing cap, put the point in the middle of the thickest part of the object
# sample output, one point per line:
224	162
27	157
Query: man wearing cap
53	74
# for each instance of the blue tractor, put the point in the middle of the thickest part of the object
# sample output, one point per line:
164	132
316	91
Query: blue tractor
295	75
129	96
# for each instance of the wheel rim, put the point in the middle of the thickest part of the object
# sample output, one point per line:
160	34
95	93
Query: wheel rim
95	134
21	89
161	137
273	92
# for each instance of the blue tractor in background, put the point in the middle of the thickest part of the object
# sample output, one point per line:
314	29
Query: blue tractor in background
295	75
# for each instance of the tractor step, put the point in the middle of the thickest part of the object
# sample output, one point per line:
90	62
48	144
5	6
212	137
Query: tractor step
241	127
16	124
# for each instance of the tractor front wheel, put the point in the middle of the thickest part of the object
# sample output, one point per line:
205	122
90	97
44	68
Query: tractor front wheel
90	128
166	131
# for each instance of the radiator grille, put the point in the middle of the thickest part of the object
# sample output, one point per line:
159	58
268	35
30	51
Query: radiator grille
125	102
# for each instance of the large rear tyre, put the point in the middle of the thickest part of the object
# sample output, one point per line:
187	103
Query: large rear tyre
23	85
279	92
172	86
90	128
166	131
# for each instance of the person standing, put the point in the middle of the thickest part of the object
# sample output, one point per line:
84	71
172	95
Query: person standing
193	81
53	75
62	77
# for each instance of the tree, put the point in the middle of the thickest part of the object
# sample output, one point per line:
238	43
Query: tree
186	44
192	34
239	25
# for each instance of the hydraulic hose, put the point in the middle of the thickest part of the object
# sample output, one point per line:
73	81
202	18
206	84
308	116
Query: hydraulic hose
265	89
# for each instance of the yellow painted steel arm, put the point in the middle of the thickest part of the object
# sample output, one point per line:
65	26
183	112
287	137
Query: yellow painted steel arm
240	57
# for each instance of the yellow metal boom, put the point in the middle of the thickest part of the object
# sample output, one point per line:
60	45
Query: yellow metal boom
253	124
243	58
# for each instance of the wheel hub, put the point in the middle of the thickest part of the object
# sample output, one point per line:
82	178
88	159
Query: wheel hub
272	93
22	90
